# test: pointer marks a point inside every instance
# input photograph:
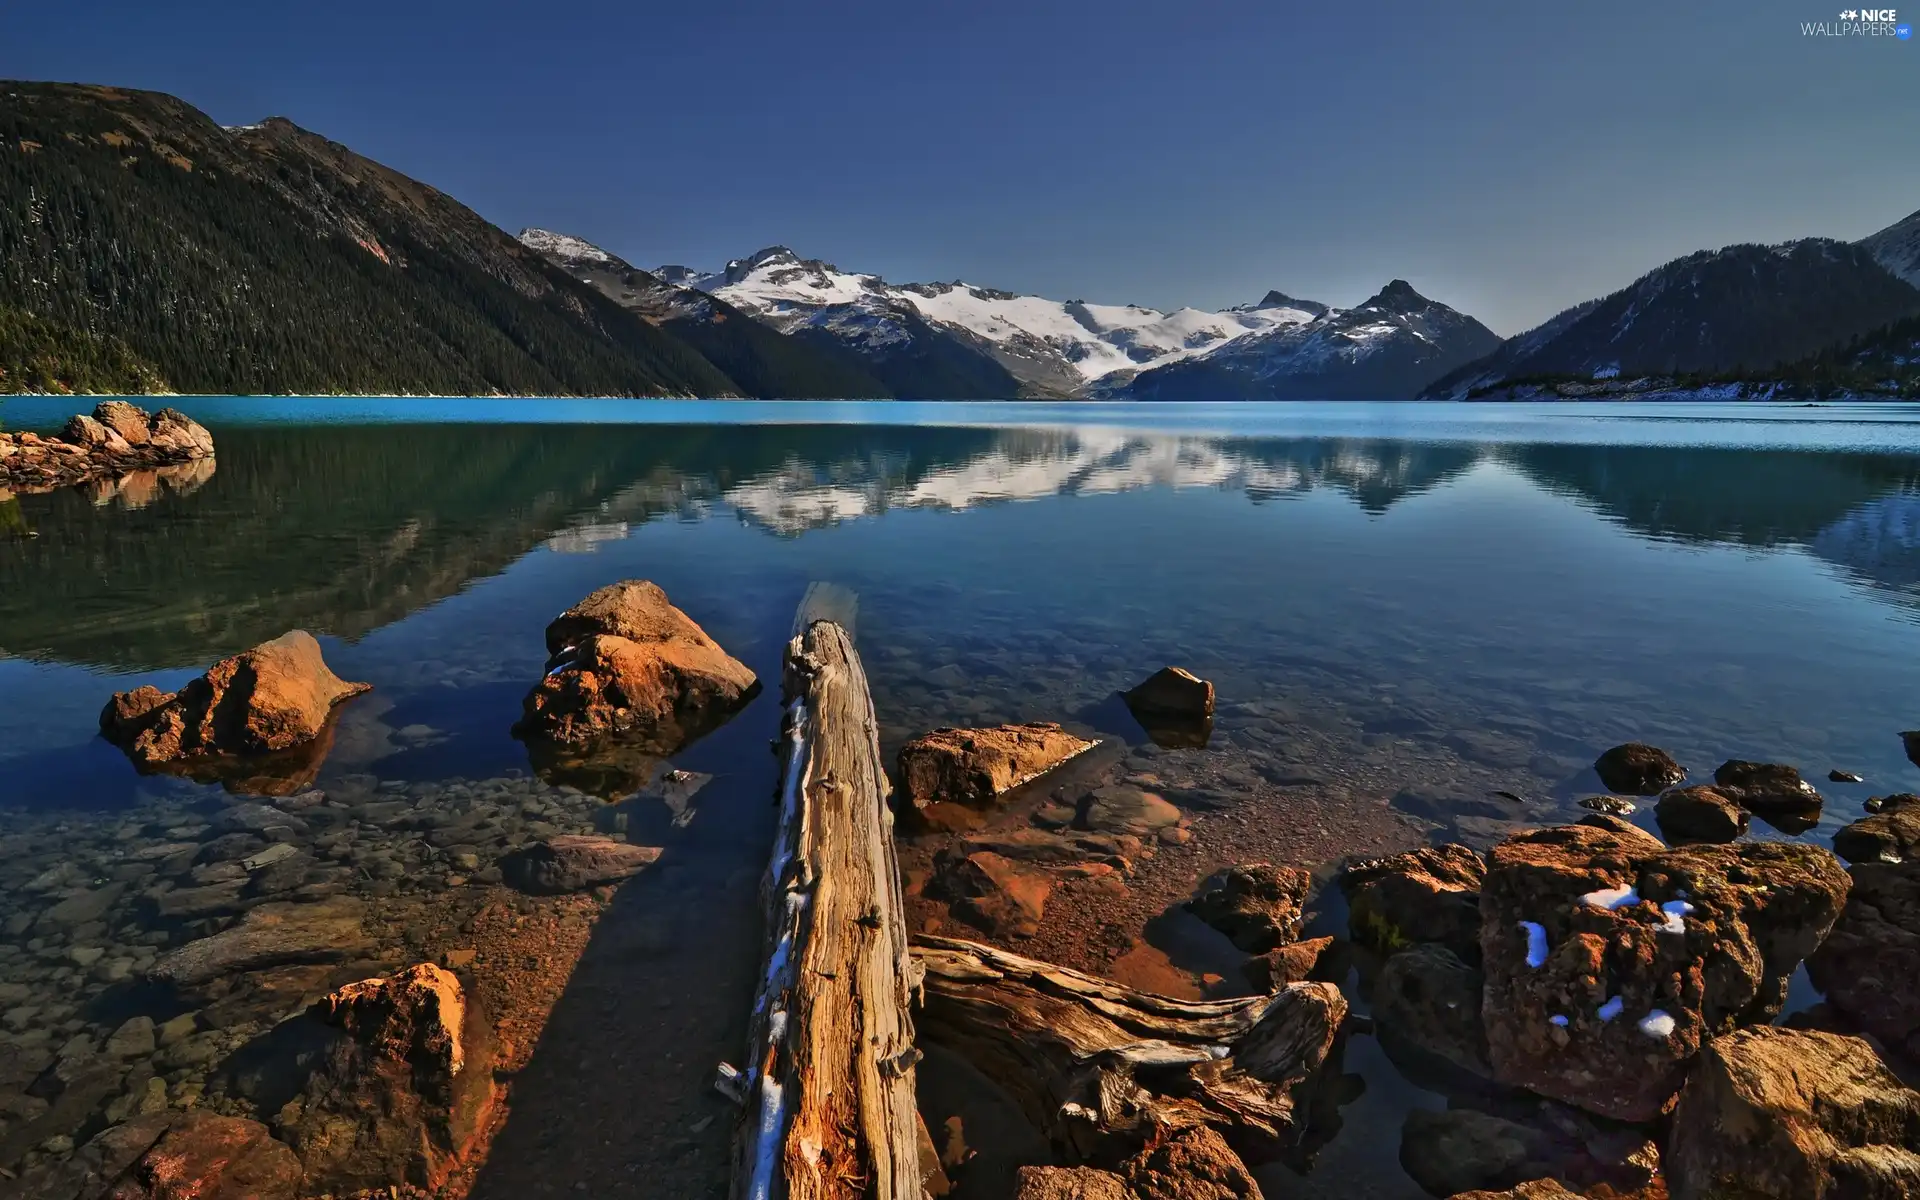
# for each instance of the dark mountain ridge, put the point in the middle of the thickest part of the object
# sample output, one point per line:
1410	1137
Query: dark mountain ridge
267	259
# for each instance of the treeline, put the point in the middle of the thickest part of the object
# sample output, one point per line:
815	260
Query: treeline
37	355
244	267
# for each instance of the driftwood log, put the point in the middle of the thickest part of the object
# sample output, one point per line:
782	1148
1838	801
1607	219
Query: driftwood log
828	1092
1102	1069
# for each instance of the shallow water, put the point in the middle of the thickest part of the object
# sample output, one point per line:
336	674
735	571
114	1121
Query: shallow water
1405	609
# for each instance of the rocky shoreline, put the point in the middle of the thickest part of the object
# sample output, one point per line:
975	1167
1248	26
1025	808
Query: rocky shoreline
118	439
234	984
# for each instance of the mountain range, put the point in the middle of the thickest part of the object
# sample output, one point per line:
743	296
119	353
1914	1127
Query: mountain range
143	247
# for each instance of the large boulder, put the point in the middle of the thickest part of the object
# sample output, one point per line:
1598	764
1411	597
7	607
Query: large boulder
574	863
1869	966
401	1092
1891	834
1700	814
97	438
1774	792
132	423
273	697
1610	959
1449	1151
1780	1114
974	766
175	436
624	661
1638	769
1427	895
1257	906
1171	694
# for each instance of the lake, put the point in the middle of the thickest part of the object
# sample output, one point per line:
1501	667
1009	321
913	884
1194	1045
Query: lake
1423	622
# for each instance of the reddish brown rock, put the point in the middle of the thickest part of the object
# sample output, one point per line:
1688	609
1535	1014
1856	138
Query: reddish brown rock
1257	906
1641	953
205	1156
1779	1114
97	438
1532	1189
1069	1183
129	421
574	863
176	436
400	1094
1700	814
1294	963
1427	895
1869	966
991	892
974	766
273	697
1189	1164
1638	769
626	662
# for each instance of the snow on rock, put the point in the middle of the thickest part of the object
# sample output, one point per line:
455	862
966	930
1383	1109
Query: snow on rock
1657	1024
561	245
1610	1009
1611	898
1536	943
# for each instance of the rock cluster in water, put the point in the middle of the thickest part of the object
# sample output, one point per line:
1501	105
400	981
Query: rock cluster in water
118	439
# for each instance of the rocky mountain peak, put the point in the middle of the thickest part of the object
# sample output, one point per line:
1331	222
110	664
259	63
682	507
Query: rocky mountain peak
1399	297
1279	299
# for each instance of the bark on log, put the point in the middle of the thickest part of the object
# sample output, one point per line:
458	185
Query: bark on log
1102	1069
829	1088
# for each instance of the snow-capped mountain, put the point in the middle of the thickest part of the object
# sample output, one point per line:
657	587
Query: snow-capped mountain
760	361
1048	347
1745	306
1387	348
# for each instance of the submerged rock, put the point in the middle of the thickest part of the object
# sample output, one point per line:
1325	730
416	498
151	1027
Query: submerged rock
273	697
1427	1000
1780	1114
1451	1151
574	863
625	661
402	1093
991	892
1615	806
271	935
1700	814
1257	906
1774	792
974	766
172	1156
1427	895
1638	769
1611	959
1121	809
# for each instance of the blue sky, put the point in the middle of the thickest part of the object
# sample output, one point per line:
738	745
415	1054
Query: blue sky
1507	158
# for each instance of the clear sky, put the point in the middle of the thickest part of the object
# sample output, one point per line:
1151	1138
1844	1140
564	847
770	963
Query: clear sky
1507	158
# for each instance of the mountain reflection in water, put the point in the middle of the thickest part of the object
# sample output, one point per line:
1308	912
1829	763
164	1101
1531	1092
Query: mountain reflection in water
345	529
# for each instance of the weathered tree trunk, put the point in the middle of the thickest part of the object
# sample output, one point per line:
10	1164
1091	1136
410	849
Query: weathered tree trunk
829	1089
1102	1069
